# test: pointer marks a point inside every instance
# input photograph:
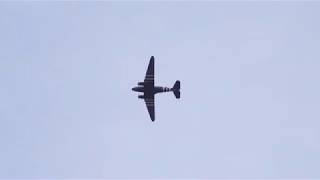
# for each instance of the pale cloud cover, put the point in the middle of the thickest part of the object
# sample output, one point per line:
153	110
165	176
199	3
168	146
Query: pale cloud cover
249	102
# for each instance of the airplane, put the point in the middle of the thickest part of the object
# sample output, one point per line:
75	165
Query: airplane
149	89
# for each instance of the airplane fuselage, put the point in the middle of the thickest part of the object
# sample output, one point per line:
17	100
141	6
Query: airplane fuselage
154	90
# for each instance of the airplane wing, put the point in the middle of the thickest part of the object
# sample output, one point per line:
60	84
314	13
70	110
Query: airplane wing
150	106
149	78
149	87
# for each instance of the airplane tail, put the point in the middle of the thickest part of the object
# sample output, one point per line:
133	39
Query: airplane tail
176	89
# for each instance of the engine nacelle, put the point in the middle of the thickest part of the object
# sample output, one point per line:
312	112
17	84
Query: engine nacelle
140	83
141	96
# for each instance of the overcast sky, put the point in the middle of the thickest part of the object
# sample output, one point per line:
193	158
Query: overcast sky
249	104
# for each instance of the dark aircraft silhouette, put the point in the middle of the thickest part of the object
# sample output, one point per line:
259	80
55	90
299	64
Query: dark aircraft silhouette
149	90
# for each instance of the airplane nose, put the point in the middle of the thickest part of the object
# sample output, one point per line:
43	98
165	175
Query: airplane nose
134	89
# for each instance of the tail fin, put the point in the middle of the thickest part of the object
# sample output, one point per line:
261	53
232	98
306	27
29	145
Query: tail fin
176	89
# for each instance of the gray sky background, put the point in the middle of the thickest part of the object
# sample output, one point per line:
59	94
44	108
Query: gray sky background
249	102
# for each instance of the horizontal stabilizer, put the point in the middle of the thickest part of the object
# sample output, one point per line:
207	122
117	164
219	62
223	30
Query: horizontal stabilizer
176	89
177	94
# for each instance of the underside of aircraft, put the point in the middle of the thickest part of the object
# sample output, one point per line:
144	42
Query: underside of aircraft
149	90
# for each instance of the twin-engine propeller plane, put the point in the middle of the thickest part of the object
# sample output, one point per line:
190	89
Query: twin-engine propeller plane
147	87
